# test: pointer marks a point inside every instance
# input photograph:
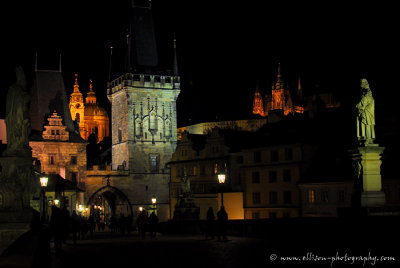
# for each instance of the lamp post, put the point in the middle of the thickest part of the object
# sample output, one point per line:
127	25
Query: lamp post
154	202
43	183
221	180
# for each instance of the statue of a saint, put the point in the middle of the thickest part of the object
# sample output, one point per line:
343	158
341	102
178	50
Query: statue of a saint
185	183
17	116
365	110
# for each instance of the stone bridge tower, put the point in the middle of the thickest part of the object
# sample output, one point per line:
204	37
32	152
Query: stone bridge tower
144	120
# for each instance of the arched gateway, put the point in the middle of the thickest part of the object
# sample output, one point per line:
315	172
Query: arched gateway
109	201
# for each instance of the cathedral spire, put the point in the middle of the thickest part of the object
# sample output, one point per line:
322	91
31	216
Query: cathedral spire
279	82
299	88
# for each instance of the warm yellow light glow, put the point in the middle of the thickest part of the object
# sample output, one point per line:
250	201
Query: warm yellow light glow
56	202
43	181
140	209
80	208
153	200
221	178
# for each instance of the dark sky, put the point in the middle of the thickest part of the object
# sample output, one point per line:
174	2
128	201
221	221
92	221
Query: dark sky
223	48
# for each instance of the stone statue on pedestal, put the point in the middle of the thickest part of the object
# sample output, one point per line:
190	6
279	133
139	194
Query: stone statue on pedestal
185	209
367	157
365	110
16	165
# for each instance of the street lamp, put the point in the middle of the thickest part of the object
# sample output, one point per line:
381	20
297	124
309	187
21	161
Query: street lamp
221	180
154	202
43	183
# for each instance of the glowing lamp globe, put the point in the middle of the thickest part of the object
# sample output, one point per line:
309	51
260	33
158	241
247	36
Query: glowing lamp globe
43	181
221	178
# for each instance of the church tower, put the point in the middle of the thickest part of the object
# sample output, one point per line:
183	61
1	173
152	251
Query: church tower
144	118
258	103
278	92
76	106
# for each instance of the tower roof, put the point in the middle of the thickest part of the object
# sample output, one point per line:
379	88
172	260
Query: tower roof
142	49
49	94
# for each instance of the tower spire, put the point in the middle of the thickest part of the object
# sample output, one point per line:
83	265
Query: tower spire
110	65
299	88
76	86
176	73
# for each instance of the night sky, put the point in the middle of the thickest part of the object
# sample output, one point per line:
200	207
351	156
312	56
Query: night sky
223	48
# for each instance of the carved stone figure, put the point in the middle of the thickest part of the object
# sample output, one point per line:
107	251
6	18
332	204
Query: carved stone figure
185	183
365	110
17	117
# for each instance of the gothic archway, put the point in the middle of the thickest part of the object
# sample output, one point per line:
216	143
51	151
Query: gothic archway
109	201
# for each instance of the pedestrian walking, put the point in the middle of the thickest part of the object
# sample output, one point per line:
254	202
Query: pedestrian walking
92	225
75	226
153	221
222	218
142	222
210	223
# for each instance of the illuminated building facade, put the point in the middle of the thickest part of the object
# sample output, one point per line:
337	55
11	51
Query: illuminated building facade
202	157
92	118
59	152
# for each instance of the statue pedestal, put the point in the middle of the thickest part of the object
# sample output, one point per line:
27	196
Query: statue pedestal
186	209
15	194
370	159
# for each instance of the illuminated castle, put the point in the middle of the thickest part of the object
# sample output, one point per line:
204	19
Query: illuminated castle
279	99
91	117
282	100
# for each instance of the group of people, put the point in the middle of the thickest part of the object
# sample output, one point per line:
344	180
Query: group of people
62	224
147	223
123	224
222	220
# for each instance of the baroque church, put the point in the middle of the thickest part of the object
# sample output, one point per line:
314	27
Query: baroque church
91	118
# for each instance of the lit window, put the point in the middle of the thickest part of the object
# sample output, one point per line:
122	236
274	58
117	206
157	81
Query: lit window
215	168
311	196
194	171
